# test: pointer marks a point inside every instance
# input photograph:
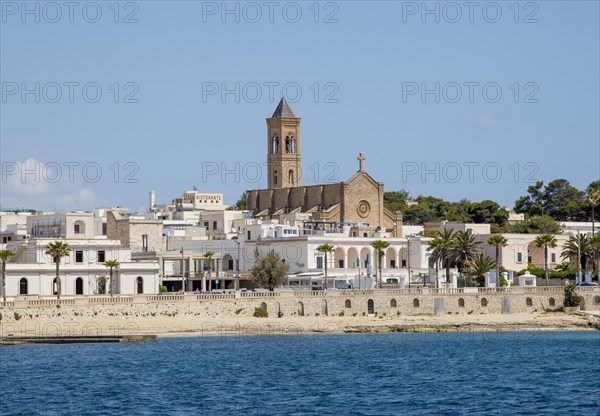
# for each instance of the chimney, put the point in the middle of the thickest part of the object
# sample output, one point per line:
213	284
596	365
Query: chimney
152	200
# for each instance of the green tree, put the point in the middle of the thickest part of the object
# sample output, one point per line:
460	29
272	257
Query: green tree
434	246
577	247
497	241
207	256
326	249
464	247
478	265
546	240
111	264
445	246
269	271
395	201
241	203
379	246
541	224
57	250
4	256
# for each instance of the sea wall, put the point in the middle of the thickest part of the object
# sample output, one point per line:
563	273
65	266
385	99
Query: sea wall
317	303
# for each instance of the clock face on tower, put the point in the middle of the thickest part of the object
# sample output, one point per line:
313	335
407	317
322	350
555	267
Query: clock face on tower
363	209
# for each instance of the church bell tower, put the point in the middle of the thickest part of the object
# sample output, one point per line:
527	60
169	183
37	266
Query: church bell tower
283	148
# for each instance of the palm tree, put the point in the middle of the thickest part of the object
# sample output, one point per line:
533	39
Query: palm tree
478	265
445	245
57	250
112	264
436	255
325	248
497	241
379	246
208	255
4	256
464	247
545	240
577	247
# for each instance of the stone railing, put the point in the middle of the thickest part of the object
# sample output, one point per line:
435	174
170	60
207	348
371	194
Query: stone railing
260	294
127	299
50	302
165	298
210	297
140	299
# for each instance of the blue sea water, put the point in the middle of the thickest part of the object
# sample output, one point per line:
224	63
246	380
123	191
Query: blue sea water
517	373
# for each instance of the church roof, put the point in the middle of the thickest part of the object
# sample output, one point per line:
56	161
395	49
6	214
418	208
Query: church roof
283	109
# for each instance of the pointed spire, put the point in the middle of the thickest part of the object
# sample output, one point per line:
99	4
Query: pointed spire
283	109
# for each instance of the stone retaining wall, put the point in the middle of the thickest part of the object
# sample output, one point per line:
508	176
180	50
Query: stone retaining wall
299	304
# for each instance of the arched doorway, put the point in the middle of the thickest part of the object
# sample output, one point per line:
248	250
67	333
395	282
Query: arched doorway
324	307
79	286
55	286
23	286
263	305
300	309
139	282
370	306
228	263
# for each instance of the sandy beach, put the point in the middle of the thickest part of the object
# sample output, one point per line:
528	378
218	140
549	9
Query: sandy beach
190	325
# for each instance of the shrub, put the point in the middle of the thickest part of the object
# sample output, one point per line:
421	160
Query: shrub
237	312
58	306
17	316
0	317
162	289
260	312
340	314
571	297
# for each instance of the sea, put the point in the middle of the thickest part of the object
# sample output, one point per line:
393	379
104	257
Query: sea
472	373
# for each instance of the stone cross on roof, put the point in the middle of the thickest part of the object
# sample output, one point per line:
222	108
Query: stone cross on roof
360	159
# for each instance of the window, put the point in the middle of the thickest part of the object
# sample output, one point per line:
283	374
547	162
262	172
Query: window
552	301
461	303
348	304
416	303
291	176
104	228
404	264
393	303
319	262
101	256
519	257
214	225
23	286
249	237
393	264
206	224
365	235
484	302
76	228
140	285
529	302
341	264
529	259
275	177
144	243
79	256
553	257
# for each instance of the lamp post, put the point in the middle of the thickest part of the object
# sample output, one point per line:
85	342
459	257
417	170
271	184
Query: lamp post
182	272
237	267
408	259
358	263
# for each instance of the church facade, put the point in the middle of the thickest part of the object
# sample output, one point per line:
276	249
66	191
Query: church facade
359	200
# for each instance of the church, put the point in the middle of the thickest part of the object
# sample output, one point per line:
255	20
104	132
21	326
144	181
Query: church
357	201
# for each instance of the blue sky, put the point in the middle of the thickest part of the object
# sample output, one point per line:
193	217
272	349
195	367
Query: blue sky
361	69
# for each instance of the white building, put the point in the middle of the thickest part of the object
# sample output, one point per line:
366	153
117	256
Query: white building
32	272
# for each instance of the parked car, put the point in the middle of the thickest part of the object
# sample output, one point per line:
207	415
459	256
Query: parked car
587	284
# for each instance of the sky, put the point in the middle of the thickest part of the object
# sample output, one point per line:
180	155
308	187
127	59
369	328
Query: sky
105	101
